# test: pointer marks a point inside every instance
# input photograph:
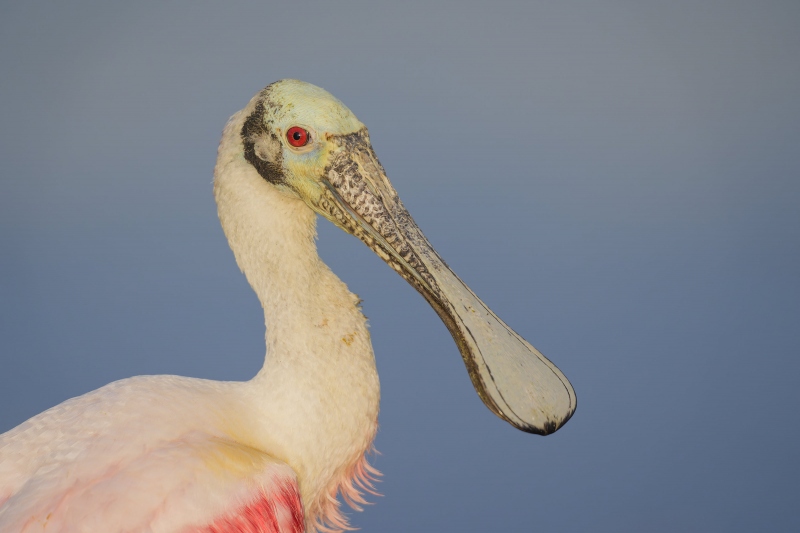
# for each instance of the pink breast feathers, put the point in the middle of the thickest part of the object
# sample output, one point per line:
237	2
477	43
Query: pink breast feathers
279	511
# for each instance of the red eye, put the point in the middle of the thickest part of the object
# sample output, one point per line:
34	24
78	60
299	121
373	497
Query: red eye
297	136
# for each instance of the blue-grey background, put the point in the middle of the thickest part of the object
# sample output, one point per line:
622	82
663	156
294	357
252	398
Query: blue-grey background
618	180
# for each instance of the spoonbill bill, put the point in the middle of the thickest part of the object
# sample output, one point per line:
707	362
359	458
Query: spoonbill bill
166	454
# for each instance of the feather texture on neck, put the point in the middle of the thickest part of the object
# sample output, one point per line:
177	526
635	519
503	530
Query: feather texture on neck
317	394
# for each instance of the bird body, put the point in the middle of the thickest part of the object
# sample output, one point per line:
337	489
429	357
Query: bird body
141	454
172	454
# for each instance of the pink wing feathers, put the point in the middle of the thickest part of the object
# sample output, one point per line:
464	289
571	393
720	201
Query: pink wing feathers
195	484
279	510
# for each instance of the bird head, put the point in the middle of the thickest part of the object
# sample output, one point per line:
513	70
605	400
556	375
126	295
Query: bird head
305	142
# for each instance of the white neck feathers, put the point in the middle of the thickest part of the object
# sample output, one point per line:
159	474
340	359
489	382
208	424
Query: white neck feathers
317	395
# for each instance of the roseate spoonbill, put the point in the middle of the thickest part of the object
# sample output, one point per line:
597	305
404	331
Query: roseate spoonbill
173	454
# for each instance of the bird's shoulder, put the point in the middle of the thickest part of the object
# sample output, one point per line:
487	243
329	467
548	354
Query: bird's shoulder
129	410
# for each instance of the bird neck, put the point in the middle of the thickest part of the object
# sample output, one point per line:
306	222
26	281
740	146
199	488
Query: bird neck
273	237
318	383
